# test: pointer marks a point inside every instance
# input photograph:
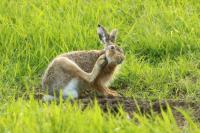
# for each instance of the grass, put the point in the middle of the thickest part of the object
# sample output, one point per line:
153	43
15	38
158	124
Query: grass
22	116
161	40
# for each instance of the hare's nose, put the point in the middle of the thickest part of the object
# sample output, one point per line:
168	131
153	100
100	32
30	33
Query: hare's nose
120	60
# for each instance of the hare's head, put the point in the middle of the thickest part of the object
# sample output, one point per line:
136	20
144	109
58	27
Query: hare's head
114	53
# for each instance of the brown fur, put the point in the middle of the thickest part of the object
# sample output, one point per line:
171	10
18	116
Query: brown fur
93	69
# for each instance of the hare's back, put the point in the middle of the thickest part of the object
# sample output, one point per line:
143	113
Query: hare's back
84	59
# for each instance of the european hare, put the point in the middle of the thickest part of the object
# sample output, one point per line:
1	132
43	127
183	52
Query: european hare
80	72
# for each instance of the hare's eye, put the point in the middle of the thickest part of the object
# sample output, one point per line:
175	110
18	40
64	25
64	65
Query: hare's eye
112	47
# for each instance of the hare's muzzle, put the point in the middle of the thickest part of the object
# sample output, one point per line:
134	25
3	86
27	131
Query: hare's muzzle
120	59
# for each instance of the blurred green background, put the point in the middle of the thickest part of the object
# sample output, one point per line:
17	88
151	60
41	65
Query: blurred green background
161	40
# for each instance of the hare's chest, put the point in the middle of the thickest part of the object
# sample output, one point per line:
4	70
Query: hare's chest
85	90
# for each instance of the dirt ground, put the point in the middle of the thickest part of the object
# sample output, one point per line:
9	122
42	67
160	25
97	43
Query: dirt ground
145	107
131	106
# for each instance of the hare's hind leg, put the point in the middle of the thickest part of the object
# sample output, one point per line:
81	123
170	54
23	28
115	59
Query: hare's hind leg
68	66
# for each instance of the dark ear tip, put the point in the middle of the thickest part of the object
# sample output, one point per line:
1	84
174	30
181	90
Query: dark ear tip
99	25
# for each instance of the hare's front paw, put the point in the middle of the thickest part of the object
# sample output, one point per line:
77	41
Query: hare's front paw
112	93
101	62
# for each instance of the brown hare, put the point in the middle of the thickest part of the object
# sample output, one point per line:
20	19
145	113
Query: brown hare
81	73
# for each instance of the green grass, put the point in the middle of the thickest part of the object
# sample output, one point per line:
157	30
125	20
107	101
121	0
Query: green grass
31	116
161	40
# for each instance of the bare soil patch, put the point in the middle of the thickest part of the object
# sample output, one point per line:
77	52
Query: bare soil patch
145	107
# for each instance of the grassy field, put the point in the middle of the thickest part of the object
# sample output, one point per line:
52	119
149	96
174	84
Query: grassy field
161	40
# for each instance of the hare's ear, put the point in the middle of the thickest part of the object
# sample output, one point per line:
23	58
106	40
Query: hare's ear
103	35
113	35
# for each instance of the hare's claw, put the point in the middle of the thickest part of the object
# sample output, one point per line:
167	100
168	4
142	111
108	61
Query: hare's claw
102	61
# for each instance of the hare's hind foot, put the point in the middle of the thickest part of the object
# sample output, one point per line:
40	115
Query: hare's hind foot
102	61
99	65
